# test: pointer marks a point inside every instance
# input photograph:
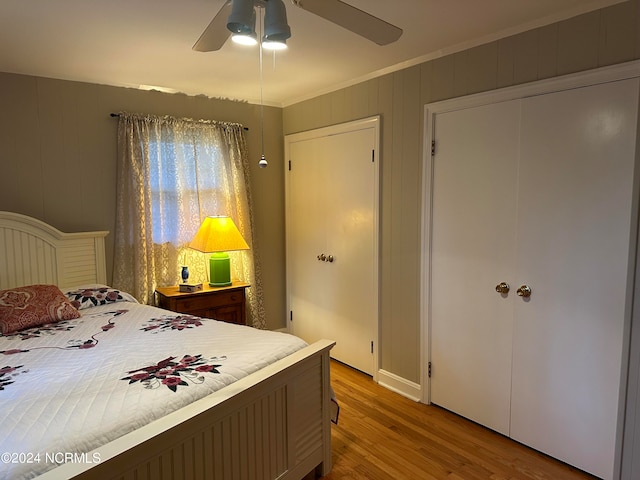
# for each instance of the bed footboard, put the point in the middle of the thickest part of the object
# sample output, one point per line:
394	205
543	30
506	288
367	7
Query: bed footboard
273	424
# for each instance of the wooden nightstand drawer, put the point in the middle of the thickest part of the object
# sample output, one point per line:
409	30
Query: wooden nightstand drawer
201	302
225	303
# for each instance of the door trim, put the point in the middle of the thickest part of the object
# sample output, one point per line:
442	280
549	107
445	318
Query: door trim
355	125
582	79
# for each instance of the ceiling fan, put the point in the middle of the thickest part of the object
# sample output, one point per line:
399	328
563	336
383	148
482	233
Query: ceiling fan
336	11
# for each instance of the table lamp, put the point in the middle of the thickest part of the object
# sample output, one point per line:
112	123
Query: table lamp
218	235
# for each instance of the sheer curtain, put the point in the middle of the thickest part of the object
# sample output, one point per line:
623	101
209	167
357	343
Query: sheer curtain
172	173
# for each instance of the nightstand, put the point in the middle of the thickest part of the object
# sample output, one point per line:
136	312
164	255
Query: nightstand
220	303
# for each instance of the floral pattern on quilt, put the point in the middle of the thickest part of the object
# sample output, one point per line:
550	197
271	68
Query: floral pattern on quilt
179	322
7	374
173	373
71	344
93	297
12	351
44	330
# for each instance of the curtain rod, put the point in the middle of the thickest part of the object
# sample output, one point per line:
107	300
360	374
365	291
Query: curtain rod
118	115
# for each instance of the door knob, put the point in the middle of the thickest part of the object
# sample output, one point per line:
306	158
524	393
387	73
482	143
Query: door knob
502	287
322	257
330	258
524	291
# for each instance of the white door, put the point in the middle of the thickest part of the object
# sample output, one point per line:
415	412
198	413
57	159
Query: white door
306	276
555	218
574	217
473	250
332	229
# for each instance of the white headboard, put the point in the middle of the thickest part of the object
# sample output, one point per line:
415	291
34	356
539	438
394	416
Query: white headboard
32	252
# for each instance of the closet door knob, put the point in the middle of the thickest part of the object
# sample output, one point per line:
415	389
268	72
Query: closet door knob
330	258
524	291
322	257
502	287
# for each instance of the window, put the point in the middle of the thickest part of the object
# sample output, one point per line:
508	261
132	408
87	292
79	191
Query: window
183	180
171	174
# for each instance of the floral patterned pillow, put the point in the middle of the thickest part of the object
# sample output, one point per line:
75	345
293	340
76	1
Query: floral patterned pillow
32	306
87	297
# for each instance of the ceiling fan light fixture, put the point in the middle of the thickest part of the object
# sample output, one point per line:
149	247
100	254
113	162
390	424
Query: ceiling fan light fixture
276	28
242	20
239	18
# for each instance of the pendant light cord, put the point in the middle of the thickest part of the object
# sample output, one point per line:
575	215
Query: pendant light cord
263	160
261	102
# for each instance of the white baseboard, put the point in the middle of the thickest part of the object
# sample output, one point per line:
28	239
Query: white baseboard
400	385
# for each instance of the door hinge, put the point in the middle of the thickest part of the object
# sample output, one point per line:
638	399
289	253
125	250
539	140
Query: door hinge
291	315
289	165
372	346
429	370
373	155
433	147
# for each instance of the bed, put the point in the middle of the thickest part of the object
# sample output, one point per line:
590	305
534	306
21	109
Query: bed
139	392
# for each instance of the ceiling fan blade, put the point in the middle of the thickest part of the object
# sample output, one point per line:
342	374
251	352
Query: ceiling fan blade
216	33
353	19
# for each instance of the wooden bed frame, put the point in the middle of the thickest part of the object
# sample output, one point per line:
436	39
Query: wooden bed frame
273	424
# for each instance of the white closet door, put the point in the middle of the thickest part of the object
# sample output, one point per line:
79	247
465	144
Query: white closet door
305	240
576	180
473	250
332	211
351	242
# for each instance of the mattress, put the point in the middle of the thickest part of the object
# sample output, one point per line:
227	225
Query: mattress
69	387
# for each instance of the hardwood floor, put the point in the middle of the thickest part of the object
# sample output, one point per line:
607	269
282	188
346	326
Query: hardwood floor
382	435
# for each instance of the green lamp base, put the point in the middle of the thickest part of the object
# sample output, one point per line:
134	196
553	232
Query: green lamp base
219	270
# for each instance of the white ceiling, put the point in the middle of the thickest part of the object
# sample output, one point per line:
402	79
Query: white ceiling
148	42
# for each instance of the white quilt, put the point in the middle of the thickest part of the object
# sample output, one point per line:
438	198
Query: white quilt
70	387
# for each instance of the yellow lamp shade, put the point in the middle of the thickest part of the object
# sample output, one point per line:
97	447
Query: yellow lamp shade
218	235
